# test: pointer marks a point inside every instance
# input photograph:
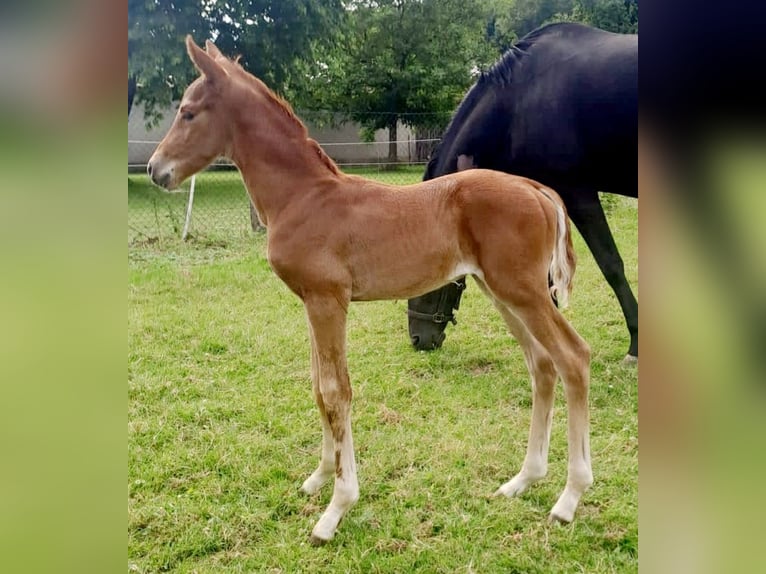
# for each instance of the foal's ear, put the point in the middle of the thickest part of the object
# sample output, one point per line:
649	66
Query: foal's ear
206	65
212	50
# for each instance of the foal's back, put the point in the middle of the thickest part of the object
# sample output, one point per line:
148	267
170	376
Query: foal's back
423	235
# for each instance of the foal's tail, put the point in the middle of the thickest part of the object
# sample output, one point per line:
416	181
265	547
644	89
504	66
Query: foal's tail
563	259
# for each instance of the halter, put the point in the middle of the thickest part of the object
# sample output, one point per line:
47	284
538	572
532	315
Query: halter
448	300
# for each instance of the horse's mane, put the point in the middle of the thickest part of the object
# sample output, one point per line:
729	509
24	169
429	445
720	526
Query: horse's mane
465	107
287	110
501	73
285	106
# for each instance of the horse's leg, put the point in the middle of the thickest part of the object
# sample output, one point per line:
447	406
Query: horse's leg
543	374
327	316
587	213
326	463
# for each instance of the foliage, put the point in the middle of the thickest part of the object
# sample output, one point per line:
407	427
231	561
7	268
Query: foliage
509	20
280	41
611	15
376	62
277	41
411	61
156	58
404	60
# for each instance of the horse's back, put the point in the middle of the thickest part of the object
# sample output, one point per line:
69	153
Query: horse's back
574	112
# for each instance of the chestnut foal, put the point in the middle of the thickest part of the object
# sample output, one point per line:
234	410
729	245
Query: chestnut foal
334	238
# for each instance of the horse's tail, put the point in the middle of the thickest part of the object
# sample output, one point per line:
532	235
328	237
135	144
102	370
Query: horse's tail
563	260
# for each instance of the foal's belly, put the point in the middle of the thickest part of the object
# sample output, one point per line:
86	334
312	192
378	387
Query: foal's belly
408	278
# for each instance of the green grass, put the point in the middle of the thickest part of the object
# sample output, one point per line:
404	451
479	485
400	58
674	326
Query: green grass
223	429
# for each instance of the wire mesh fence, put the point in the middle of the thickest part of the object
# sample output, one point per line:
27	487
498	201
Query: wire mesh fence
215	205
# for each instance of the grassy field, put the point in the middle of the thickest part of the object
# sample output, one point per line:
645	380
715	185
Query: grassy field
223	429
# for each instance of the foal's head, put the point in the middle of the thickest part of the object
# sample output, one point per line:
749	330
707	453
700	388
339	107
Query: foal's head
201	130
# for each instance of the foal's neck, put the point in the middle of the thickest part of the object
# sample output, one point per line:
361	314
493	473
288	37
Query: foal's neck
277	159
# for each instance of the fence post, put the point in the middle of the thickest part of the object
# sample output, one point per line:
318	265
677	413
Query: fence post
189	209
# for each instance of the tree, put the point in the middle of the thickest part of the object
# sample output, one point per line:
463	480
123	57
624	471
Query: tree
276	40
406	61
156	59
510	20
612	15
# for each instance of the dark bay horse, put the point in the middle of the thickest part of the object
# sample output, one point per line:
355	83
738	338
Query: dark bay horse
560	107
335	238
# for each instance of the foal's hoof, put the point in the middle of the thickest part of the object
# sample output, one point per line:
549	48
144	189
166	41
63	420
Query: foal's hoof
630	361
316	541
308	489
559	519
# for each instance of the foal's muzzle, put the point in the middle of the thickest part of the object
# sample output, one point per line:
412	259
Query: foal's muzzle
158	175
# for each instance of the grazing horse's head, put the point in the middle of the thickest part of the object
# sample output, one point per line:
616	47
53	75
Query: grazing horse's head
430	313
200	131
425	333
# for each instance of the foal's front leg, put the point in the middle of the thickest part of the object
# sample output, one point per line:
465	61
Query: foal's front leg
327	317
326	466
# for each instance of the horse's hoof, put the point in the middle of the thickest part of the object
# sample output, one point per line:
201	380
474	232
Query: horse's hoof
630	361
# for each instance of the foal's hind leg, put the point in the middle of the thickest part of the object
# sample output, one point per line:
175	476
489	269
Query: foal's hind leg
543	374
571	356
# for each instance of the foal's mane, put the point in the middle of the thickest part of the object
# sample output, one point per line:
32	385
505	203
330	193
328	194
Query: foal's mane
285	107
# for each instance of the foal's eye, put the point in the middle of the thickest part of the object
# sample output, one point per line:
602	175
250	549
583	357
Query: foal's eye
188	116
